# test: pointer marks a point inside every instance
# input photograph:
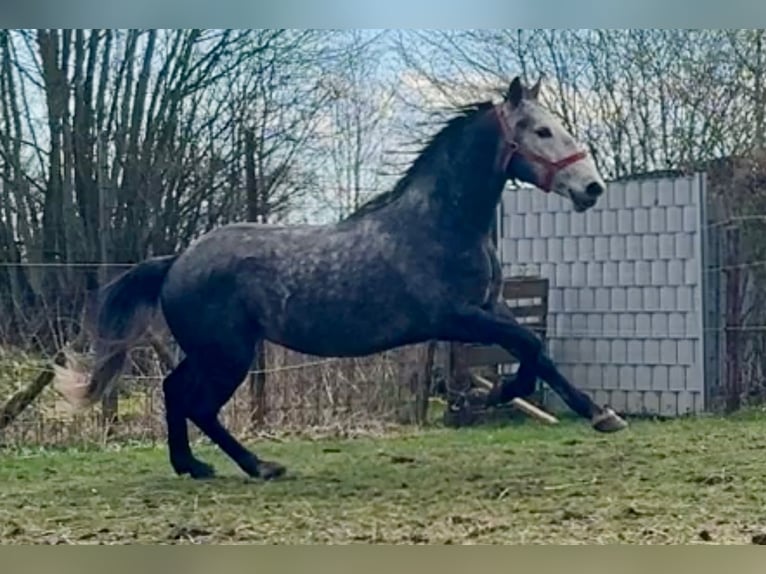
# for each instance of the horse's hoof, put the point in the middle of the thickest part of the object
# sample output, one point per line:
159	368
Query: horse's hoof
608	421
270	470
196	469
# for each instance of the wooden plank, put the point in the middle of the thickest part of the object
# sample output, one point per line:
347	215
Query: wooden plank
529	311
525	288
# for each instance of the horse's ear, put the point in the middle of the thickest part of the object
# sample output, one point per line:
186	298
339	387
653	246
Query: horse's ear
534	92
515	92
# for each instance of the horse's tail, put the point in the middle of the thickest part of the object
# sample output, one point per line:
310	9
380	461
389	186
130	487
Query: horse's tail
124	310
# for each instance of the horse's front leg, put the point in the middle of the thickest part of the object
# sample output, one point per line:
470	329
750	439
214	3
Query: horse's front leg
498	327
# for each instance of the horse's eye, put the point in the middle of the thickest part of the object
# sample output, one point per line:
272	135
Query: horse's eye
544	133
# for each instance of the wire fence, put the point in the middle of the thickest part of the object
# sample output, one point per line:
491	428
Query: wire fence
42	309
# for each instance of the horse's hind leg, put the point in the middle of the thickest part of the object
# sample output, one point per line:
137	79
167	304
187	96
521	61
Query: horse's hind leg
217	377
174	387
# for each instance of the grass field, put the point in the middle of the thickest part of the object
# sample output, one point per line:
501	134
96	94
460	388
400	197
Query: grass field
685	481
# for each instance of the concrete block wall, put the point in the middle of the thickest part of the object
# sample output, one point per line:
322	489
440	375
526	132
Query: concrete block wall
625	321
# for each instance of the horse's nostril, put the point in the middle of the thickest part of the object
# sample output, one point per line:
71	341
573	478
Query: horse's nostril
594	189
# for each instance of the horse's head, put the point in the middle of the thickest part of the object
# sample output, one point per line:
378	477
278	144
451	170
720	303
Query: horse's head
539	150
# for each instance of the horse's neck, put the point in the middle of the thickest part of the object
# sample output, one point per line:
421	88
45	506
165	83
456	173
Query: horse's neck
463	197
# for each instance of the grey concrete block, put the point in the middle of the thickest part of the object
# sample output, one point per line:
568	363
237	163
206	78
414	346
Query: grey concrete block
676	325
595	277
603	299
624	221
651	351
587	299
577	223
676	272
539	201
643	325
593	222
619	299
667	298
555	300
627	273
633	247
608	222
611	374
651	403
691	272
523	251
585	249
516	226
523	201
643	273
684	246
665	192
675	219
617	247
595	377
587	351
601	248
650	247
685	298
595	325
555	249
659	273
667	246
659	325
611	325
683	192
691	217
603	348
677	378
531	225
632	194
660	377
610	274
668	405
641	220
686	352
627	324
547	225
579	274
668	352
627	382
651	298
563	276
657	223
571	300
648	193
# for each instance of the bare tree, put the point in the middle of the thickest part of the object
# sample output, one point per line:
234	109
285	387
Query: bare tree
356	124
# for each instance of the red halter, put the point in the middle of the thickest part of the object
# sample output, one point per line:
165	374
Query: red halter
511	147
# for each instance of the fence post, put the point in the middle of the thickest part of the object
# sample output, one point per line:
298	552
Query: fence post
423	390
257	386
734	280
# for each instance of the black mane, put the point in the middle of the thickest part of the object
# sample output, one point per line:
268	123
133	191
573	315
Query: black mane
451	126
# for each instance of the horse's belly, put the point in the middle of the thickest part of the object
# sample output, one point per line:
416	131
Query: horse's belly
347	328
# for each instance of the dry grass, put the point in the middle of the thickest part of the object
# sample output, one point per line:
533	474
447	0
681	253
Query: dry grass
301	391
685	481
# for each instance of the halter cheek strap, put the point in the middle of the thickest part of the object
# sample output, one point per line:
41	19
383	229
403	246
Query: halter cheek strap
551	168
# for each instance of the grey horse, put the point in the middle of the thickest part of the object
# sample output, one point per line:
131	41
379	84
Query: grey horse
414	264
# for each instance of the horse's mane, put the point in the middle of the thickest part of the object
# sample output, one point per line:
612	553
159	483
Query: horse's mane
450	126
